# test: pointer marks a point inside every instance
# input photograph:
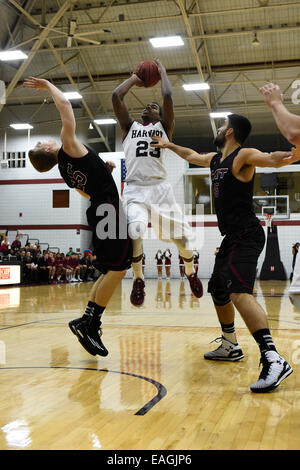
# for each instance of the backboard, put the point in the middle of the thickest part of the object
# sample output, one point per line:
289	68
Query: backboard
278	206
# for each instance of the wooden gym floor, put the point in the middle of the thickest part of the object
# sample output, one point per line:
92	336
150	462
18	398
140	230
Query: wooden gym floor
154	390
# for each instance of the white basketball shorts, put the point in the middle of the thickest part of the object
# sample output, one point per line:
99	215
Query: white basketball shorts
156	204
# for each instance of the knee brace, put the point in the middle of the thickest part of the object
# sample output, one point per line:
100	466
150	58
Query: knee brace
217	291
220	298
136	230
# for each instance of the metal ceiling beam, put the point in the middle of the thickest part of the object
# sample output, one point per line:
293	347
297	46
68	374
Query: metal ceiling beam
25	12
35	48
16	26
197	60
230	11
194	111
205	48
87	108
205	36
84	79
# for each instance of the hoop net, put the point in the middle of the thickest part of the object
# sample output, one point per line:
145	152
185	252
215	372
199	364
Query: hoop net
268	220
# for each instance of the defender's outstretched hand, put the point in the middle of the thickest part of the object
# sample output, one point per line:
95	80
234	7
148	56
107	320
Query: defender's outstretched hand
161	143
272	94
37	83
296	153
110	166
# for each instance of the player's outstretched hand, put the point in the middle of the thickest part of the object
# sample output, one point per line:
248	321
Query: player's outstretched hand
110	166
286	158
160	66
138	81
272	94
37	83
161	143
296	153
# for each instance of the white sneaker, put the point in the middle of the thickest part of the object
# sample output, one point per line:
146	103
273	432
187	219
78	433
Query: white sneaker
274	370
227	351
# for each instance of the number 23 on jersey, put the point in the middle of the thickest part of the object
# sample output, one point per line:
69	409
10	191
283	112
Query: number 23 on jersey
143	149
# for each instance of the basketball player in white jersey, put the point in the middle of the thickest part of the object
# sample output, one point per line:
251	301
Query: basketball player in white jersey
147	192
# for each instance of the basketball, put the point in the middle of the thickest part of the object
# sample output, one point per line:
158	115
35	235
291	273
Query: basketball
147	71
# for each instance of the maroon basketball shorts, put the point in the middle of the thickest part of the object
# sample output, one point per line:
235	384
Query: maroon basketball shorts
113	249
236	263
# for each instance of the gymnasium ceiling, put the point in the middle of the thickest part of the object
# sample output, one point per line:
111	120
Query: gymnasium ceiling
112	36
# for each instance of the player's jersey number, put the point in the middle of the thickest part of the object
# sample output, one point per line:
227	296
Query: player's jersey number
143	147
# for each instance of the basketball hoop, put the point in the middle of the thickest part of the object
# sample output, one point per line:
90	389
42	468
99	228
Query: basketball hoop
268	220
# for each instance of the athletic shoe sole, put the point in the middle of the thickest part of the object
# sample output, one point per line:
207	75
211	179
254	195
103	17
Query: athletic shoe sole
137	304
273	386
226	359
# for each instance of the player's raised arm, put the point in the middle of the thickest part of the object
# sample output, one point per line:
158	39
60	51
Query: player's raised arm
253	157
119	105
167	107
186	153
287	123
63	105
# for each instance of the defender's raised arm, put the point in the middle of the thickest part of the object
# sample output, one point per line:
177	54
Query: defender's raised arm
186	153
63	105
287	123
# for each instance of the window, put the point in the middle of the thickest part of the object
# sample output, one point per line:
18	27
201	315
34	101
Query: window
280	183
61	198
198	191
14	160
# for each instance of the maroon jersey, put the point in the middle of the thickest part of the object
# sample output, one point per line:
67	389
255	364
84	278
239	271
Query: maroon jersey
50	261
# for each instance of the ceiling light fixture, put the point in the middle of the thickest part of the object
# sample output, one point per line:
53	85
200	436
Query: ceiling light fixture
72	95
167	41
255	41
222	114
196	86
12	55
21	126
105	121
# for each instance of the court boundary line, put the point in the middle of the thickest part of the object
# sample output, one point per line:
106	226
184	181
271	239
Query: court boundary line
161	389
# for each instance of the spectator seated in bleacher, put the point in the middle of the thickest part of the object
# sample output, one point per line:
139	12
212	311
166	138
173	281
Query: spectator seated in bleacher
21	256
60	270
16	244
43	273
4	246
31	268
74	263
87	269
51	266
70	252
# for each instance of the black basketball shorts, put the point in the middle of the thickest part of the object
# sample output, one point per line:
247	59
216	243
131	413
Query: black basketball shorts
114	251
236	262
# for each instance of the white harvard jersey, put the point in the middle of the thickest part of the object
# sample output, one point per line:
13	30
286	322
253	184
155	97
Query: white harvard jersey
144	164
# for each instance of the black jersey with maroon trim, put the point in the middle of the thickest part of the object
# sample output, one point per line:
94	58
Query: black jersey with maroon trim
232	197
89	174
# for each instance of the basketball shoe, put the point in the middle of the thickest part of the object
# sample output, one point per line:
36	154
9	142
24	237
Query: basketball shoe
137	296
274	370
196	285
227	351
88	331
